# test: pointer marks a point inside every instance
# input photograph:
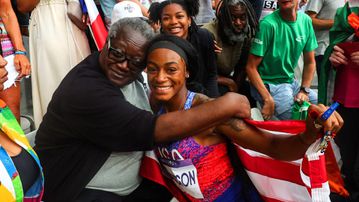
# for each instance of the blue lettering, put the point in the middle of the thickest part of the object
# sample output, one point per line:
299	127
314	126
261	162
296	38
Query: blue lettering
183	177
192	178
178	179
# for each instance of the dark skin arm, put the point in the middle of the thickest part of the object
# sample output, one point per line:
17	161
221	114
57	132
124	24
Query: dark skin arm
200	118
277	146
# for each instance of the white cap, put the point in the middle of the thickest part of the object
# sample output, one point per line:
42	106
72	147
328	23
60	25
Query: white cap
125	9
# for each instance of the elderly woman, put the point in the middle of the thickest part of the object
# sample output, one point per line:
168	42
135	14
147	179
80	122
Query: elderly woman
170	61
233	30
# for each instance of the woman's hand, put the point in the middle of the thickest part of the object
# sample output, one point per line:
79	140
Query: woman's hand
314	125
22	65
337	57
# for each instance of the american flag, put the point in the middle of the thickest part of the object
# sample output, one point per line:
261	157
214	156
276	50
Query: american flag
301	180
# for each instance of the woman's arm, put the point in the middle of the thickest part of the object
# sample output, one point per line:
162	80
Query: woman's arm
180	124
278	146
11	24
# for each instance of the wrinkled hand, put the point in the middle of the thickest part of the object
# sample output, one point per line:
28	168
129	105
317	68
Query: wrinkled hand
3	72
354	57
337	57
333	123
301	96
217	48
268	108
22	65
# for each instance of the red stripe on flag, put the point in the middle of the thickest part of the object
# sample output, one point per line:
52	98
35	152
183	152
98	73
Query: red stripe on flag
151	170
317	172
286	126
271	168
99	32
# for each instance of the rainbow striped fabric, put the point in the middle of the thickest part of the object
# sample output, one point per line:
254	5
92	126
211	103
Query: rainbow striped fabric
10	183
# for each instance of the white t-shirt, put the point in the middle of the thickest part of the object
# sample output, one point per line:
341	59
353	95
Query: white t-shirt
120	173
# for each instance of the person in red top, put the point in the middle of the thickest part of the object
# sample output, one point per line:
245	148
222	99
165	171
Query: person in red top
345	58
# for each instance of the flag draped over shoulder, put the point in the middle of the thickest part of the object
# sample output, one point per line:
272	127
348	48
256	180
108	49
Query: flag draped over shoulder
301	180
340	31
97	28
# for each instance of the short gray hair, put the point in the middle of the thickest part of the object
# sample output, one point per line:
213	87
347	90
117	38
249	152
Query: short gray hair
137	24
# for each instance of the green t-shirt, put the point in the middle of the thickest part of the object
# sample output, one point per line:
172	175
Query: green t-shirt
280	43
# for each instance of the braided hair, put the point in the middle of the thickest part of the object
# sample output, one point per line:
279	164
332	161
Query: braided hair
226	28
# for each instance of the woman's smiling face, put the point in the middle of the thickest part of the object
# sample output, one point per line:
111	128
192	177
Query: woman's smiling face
175	20
166	72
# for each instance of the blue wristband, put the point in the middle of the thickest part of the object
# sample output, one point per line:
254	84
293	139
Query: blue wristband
19	52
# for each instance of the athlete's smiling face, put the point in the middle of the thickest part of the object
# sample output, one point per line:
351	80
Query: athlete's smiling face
166	72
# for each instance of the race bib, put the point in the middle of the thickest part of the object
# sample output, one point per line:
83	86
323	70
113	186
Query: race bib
184	175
